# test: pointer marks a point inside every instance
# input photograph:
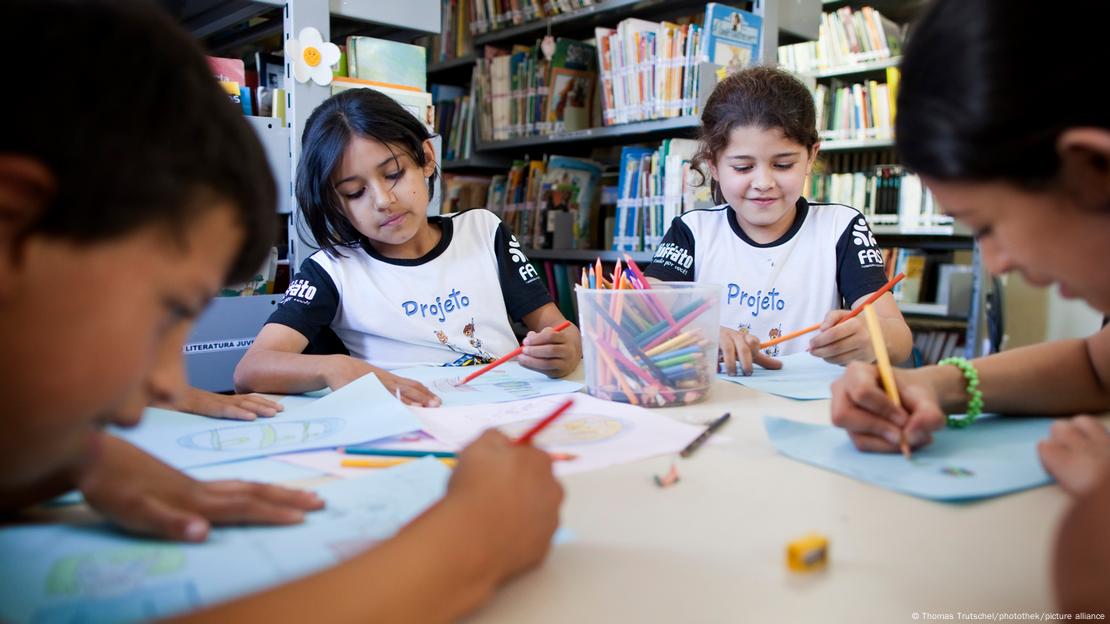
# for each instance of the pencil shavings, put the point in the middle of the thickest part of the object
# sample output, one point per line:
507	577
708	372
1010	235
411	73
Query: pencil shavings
668	479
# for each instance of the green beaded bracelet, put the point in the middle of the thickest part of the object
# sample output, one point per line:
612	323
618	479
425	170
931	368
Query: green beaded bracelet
975	396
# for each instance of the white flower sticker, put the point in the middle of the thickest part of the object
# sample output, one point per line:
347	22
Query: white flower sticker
312	57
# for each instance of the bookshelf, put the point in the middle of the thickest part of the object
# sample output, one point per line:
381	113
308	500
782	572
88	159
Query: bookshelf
625	133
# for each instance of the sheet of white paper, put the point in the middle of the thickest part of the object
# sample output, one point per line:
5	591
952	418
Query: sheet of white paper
601	433
360	411
992	457
263	470
508	382
802	377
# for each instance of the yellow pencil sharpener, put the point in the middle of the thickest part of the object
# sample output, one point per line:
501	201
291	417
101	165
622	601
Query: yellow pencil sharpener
808	554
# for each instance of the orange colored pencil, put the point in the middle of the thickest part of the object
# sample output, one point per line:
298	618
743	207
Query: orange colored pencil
872	299
504	358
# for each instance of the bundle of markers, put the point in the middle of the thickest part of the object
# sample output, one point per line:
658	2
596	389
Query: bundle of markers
644	344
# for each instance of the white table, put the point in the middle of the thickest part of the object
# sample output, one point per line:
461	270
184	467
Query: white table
712	547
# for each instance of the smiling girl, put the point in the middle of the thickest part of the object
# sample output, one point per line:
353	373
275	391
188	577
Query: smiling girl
399	288
785	263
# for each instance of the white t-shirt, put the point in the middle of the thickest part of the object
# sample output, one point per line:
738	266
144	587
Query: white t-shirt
449	307
828	258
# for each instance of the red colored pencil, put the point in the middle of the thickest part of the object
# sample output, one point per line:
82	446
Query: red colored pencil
872	299
504	358
526	438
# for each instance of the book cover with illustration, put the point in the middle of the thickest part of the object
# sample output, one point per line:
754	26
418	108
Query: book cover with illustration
732	36
571	185
571	86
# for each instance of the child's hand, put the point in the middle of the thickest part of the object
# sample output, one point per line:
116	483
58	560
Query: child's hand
555	354
1077	454
233	406
844	343
141	494
873	421
343	369
743	347
510	496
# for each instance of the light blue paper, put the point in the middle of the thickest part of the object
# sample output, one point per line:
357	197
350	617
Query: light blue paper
508	382
802	376
90	574
992	457
261	470
361	411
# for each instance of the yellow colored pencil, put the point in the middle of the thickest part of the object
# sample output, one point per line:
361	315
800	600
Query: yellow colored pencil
388	462
886	373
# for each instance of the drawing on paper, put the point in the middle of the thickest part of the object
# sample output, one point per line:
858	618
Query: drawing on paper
262	435
112	572
571	431
956	471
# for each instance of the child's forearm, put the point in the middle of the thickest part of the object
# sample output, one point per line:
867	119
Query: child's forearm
284	373
898	338
434	570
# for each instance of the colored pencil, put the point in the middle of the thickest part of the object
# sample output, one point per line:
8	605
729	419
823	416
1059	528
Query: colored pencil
886	373
541	425
396	452
872	299
662	309
504	358
677	327
387	463
700	440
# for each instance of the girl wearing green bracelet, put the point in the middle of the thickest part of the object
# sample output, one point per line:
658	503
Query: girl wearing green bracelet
1028	169
1029	172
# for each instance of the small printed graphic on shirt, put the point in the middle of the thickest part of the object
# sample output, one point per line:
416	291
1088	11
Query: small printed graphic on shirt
526	271
672	256
301	291
869	255
775	332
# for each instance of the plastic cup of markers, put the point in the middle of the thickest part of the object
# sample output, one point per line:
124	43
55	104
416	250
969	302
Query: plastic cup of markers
654	348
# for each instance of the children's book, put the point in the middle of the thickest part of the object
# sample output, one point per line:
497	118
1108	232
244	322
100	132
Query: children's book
417	102
571	86
381	60
732	36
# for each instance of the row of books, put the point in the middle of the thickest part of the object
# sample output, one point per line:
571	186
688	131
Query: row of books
648	70
940	278
485	16
524	92
864	110
886	195
550	203
463	192
846	37
934	345
655	185
560	278
454	121
454	39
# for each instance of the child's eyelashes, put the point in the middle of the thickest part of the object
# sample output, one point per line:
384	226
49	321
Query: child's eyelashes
395	176
356	194
748	168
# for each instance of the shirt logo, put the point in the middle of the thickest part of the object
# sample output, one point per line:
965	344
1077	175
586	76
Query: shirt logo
526	271
301	290
673	254
869	256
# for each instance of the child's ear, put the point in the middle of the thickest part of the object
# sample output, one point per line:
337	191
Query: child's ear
26	188
1085	166
429	158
